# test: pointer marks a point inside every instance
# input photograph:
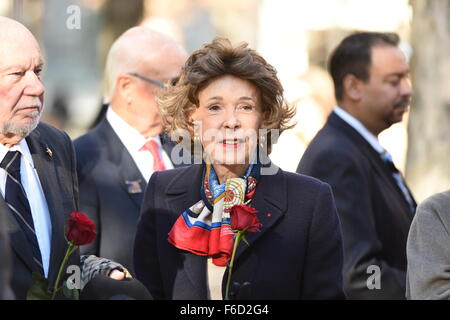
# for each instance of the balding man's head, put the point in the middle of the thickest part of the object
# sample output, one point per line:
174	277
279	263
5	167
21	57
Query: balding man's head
137	61
11	29
146	52
21	90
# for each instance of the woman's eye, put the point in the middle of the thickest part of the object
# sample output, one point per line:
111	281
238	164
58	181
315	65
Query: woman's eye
214	107
246	108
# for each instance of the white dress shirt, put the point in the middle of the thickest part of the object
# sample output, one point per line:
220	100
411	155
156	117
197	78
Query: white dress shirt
36	198
134	141
214	277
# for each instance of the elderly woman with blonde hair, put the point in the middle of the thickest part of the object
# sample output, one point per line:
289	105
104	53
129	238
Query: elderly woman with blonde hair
228	104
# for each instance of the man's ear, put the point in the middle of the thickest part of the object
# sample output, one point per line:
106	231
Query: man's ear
352	87
124	86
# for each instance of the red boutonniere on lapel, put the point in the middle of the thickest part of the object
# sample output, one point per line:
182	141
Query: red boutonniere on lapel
80	230
243	220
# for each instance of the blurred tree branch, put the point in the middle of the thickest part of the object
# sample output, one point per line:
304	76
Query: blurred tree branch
428	165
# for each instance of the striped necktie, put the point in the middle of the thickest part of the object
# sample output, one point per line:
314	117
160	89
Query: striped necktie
387	158
17	201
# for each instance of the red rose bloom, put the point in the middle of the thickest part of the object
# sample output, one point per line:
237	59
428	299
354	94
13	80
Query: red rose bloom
80	229
243	217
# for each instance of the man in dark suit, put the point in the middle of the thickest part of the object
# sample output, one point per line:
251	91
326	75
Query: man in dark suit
38	178
116	159
375	206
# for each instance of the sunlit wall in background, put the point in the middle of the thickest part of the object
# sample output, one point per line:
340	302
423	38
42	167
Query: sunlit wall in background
296	36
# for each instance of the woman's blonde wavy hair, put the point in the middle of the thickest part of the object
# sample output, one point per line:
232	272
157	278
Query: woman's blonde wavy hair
178	102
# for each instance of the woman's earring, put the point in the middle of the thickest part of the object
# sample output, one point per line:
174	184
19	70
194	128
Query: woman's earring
262	138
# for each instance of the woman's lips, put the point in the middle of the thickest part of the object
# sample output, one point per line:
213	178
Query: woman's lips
231	143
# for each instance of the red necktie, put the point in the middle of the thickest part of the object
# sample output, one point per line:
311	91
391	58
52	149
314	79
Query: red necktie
158	163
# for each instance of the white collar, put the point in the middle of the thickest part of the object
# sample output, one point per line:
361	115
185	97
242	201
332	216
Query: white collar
130	137
360	128
22	147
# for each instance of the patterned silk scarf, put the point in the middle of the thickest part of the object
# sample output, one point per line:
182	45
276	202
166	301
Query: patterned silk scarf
204	228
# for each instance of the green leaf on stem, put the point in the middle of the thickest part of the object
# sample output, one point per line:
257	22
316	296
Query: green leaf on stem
39	289
71	294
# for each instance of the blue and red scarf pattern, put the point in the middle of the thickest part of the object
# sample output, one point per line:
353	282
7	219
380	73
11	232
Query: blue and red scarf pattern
204	228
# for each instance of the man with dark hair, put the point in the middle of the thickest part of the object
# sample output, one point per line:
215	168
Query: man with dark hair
353	56
375	206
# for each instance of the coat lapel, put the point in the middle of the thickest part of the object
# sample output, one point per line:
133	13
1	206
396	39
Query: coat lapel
270	200
182	192
385	173
17	237
50	181
129	177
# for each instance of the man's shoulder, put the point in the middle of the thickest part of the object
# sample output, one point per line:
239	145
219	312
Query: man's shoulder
437	206
332	136
89	153
301	180
332	148
50	131
50	137
50	140
438	198
331	144
97	136
309	187
179	173
94	145
176	179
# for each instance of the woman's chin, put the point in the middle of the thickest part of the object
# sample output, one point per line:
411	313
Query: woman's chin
229	159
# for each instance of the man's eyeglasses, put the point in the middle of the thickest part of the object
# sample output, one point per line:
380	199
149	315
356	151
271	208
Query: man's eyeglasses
137	75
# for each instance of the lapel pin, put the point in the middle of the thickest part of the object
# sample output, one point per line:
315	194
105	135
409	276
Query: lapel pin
49	152
133	186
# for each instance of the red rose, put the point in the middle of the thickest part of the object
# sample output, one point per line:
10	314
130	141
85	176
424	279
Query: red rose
243	217
80	229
